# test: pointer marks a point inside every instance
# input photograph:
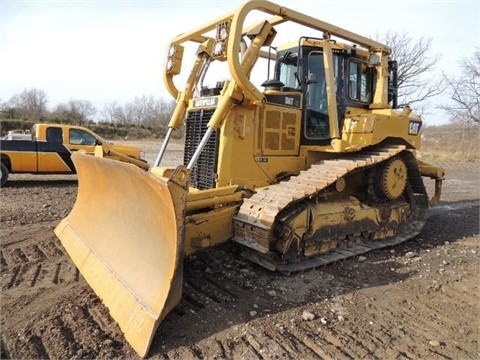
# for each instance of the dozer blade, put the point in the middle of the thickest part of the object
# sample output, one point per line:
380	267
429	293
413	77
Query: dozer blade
125	235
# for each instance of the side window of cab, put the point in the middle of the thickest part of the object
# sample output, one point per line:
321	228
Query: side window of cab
80	137
55	135
360	79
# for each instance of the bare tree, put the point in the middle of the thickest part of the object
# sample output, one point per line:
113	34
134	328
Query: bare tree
464	90
167	107
417	81
60	111
118	114
78	111
144	110
82	109
109	111
30	104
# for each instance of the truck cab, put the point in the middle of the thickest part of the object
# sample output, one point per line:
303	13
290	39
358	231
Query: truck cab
51	147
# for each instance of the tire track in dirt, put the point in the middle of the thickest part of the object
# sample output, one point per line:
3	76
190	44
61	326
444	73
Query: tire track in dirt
43	274
351	345
284	340
264	344
311	339
61	333
420	319
292	343
393	342
34	259
417	324
28	343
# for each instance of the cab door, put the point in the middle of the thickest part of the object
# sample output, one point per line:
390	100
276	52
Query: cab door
53	155
316	125
79	139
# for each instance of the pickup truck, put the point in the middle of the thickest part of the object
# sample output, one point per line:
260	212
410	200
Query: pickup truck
50	147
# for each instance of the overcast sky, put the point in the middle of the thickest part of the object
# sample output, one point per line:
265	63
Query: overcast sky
103	51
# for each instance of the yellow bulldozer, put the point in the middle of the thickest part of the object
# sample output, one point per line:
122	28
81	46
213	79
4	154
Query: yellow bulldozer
315	164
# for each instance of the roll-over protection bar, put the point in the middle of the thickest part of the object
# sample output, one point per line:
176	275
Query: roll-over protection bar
237	31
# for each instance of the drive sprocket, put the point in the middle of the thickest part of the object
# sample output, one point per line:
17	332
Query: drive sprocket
393	178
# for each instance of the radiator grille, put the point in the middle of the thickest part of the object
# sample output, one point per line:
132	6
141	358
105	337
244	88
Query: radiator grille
203	173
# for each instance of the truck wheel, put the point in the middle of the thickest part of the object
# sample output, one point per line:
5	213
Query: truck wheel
4	172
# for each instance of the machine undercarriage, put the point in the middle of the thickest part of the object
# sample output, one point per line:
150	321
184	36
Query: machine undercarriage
336	209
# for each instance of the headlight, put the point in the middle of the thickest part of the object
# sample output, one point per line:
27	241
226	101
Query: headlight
218	48
374	60
174	59
172	50
170	64
222	30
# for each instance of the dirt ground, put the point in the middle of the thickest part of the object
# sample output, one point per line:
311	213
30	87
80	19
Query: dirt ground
418	300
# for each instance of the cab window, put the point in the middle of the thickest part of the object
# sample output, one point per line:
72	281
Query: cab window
287	70
80	137
359	81
55	135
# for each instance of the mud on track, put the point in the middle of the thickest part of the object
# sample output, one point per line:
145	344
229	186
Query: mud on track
417	300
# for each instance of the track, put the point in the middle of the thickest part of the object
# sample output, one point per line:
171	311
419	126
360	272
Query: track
259	215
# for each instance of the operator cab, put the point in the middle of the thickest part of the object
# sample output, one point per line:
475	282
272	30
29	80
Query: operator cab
302	68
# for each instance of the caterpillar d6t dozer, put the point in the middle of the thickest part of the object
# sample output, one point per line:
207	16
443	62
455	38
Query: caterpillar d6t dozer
314	165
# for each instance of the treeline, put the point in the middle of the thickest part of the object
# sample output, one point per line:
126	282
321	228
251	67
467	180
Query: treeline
104	129
144	116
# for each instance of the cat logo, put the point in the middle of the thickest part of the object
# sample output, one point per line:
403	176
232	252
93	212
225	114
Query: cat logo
414	128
